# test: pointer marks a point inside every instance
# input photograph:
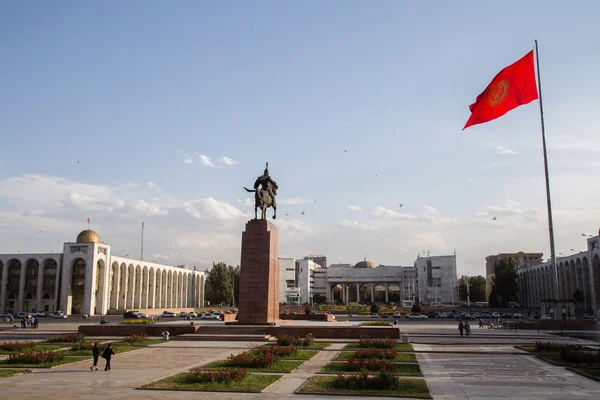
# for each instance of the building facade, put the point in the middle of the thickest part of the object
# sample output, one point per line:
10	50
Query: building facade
577	271
87	279
519	258
321	260
436	279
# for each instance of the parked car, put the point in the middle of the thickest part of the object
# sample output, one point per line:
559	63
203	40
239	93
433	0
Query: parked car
417	316
589	316
167	314
546	316
210	316
374	315
38	314
23	315
183	314
384	315
485	315
450	315
432	314
133	315
58	315
192	314
517	315
397	315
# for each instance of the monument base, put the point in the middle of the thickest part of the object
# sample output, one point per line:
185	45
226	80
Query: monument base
259	274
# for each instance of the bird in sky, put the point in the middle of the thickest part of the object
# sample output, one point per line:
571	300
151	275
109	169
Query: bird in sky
375	175
40	231
401	205
287	215
77	161
345	151
583	234
303	213
494	218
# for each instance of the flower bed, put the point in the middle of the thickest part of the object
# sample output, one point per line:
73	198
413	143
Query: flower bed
138	321
227	375
574	354
357	364
379	354
383	380
35	357
136	338
66	338
377	343
279	351
290	340
376	323
251	359
17	346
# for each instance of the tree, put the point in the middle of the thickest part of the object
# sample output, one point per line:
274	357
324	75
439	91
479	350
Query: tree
476	288
504	283
235	273
374	308
578	297
307	309
218	285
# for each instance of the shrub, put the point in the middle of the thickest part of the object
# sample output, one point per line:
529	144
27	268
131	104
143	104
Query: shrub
35	357
376	323
416	308
572	354
250	359
138	321
87	346
377	343
278	351
16	346
227	375
67	337
383	380
374	308
379	354
552	346
307	309
359	364
290	340
136	338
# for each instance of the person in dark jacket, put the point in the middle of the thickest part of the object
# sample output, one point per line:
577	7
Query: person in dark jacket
95	354
461	327
108	353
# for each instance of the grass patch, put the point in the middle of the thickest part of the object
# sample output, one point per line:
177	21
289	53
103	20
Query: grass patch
399	346
401	369
252	383
300	355
416	388
594	372
285	366
66	360
314	346
5	373
34	348
400	357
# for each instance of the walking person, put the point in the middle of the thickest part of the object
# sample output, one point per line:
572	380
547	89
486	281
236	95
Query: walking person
36	321
461	327
108	353
467	328
95	354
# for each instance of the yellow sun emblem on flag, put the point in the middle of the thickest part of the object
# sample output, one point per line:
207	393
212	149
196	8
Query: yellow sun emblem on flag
497	93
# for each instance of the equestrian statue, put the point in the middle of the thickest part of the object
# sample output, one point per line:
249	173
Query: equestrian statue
265	190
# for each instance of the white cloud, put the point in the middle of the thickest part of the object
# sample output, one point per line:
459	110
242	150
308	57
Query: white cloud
353	225
294	200
505	150
354	208
205	160
294	225
186	157
428	209
148	209
89	203
211	208
390	214
471	180
127	185
151	185
227	161
248	202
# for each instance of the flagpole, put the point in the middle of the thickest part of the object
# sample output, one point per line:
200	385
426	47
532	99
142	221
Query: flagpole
550	225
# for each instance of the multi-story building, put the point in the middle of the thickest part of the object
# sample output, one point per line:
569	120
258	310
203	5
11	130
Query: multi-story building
436	279
520	259
321	260
296	280
88	279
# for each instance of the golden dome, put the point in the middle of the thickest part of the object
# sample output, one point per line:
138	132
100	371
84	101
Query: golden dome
365	264
88	236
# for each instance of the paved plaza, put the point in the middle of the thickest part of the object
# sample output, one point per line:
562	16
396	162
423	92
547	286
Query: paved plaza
483	366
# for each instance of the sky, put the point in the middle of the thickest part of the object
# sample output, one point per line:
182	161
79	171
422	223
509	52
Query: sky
131	112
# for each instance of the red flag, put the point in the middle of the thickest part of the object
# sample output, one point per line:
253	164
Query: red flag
512	87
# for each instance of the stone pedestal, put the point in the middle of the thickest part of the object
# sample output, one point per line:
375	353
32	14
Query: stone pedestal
259	275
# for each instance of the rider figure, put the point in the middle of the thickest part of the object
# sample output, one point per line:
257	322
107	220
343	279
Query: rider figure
267	184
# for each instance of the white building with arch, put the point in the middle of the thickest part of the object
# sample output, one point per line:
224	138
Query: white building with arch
87	279
576	271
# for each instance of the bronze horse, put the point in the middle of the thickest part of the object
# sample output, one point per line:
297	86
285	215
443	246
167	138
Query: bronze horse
264	197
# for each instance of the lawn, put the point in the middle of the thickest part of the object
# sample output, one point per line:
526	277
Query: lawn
416	388
401	369
252	383
300	355
66	360
284	366
399	346
595	372
34	348
314	345
401	357
4	373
